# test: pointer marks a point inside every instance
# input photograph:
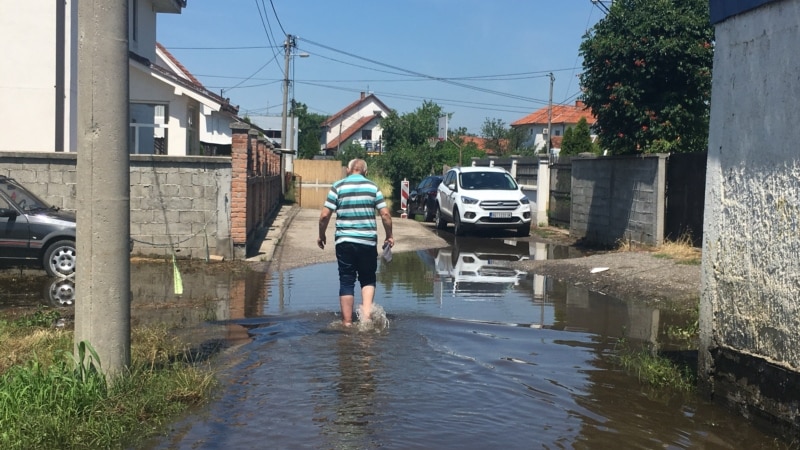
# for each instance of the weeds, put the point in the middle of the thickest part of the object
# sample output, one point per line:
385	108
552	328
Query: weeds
681	250
652	369
50	398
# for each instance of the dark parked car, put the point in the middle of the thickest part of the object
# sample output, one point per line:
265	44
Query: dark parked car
422	199
31	230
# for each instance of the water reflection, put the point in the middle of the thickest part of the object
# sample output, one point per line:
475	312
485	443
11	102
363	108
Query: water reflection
475	267
356	389
60	292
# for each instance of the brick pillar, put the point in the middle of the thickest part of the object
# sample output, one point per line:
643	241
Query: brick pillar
239	187
263	148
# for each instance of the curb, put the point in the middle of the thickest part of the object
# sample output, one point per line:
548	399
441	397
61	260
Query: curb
276	228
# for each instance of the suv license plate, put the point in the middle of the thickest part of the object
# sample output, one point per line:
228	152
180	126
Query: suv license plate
500	215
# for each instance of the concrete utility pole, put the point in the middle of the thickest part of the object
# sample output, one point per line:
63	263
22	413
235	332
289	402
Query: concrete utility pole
102	313
550	115
287	52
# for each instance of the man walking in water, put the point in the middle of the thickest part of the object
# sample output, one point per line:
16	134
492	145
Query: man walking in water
355	199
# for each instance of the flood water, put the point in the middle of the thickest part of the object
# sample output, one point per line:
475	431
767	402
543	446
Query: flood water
476	355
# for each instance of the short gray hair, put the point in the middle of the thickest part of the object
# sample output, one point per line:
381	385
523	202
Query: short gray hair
357	164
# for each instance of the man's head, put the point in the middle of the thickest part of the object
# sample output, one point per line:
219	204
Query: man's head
357	166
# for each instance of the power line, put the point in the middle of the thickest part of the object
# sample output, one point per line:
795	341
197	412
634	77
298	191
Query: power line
277	18
602	5
248	47
444	80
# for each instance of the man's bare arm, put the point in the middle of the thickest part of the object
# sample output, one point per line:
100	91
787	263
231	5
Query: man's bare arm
324	219
386	219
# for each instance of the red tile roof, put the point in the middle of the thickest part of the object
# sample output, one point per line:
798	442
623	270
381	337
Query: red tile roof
364	98
481	143
190	80
569	114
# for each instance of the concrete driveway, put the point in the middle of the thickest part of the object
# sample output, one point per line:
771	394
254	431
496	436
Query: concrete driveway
291	241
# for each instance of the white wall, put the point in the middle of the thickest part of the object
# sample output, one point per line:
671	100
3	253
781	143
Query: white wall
27	80
751	270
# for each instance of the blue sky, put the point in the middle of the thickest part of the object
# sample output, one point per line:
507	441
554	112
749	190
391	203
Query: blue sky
489	58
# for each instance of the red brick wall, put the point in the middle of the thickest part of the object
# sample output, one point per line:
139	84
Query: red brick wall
239	183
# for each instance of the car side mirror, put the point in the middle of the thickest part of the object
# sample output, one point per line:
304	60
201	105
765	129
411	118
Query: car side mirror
8	212
451	186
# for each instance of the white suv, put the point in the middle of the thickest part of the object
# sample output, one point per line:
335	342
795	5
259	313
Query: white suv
482	198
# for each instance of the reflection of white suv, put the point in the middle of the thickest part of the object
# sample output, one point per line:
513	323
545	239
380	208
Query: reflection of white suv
482	198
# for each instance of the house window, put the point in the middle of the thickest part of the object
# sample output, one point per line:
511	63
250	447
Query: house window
366	135
149	129
558	132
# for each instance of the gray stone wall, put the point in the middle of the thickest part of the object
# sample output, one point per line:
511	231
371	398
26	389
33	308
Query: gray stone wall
618	198
750	301
177	203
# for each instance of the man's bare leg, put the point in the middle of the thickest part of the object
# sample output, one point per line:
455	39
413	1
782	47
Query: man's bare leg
367	294
346	304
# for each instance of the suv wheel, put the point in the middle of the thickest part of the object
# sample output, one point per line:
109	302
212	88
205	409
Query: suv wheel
458	226
428	213
441	224
60	258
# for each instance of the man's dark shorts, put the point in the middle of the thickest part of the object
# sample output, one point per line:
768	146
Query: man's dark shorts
356	261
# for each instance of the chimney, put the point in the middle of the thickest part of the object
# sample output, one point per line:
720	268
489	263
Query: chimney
363	94
579	104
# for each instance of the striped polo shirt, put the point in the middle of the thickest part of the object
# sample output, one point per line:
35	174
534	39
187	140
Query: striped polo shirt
355	200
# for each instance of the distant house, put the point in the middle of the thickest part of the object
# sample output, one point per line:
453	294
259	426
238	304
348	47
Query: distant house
358	122
534	126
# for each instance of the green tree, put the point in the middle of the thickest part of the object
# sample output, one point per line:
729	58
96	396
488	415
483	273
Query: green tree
308	138
351	150
647	75
406	152
580	139
516	140
496	135
568	142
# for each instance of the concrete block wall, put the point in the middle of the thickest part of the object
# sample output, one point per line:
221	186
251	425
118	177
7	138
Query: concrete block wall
180	203
750	301
618	198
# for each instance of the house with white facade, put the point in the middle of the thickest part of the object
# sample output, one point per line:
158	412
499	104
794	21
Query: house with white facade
358	122
170	111
534	126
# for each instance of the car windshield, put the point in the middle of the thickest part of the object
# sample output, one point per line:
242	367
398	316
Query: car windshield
496	181
25	200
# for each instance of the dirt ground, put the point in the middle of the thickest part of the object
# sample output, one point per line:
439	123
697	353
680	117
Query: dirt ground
640	275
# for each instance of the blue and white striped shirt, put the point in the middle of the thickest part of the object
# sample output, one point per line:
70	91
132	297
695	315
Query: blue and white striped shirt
355	200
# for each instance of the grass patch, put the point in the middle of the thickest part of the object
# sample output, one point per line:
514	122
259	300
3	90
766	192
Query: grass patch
48	400
681	250
653	370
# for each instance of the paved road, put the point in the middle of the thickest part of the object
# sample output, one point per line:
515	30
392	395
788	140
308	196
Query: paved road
292	239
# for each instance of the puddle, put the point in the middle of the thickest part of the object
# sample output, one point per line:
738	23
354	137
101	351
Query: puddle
473	354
